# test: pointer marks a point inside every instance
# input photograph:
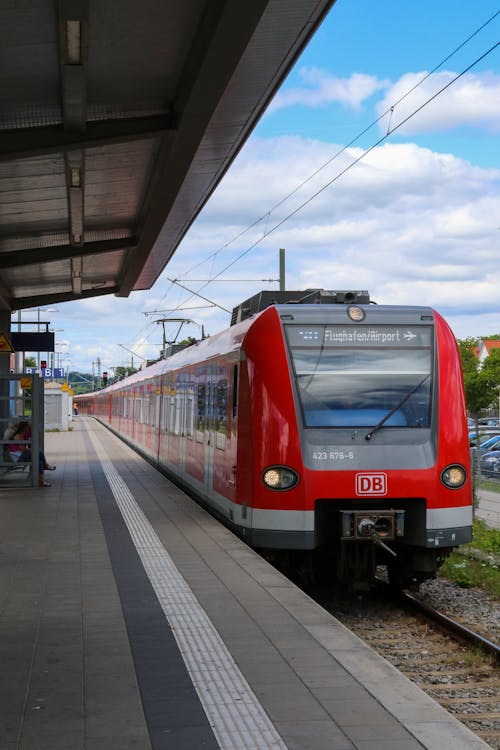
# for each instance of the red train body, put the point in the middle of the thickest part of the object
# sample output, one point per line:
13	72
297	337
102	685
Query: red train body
334	432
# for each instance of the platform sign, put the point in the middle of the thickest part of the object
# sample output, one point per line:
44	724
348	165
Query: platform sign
47	373
32	341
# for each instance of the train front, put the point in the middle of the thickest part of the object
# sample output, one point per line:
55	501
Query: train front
380	413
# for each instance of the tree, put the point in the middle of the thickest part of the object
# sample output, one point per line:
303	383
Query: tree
123	372
30	361
492	366
481	386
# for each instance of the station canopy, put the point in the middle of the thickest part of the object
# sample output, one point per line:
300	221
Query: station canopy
118	120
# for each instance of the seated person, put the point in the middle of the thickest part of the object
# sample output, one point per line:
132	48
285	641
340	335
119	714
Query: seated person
21	451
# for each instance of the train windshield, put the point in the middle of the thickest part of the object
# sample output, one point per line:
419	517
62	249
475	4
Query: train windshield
354	376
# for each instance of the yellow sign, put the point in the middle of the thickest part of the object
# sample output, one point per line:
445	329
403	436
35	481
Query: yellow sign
64	387
5	345
26	383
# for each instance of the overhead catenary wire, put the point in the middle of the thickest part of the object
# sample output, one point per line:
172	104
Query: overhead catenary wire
355	161
388	111
390	131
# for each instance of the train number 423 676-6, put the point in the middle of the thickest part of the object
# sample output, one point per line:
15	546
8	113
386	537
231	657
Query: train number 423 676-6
333	455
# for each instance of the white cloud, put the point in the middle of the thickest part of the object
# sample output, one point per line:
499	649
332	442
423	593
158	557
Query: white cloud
410	225
472	100
321	87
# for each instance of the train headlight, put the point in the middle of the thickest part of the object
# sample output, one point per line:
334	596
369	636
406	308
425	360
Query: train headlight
279	478
454	476
357	314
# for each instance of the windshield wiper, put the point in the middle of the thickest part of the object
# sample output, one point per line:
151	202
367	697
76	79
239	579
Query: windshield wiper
389	414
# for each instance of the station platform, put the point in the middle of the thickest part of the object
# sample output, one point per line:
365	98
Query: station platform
130	618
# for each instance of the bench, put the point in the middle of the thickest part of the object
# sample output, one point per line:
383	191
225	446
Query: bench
7	465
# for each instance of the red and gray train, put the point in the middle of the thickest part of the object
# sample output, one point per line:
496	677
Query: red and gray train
321	428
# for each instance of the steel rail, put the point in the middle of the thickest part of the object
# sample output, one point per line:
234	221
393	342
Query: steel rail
462	631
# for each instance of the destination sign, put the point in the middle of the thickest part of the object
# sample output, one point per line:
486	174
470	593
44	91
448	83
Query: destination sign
360	336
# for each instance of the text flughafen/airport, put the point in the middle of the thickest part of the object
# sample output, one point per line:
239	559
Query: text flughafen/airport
360	336
366	336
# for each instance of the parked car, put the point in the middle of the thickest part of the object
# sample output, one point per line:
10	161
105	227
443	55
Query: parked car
484	434
489	464
490	444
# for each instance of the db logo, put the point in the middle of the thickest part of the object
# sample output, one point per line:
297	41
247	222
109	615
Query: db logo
371	484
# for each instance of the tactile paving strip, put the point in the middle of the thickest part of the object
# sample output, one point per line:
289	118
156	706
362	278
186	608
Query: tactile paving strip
234	712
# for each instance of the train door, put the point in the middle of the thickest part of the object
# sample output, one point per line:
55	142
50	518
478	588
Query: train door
156	418
211	382
176	425
173	425
163	421
221	448
138	417
185	423
194	432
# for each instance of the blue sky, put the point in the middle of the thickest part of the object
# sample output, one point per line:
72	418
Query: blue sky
415	220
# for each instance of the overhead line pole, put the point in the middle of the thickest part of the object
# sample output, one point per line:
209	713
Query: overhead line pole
282	269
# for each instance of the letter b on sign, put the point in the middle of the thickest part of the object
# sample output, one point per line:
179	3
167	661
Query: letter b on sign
371	484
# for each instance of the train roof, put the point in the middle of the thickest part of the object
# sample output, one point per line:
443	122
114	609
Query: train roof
209	348
310	309
260	301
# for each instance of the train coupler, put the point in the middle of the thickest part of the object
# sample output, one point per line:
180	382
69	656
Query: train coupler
372	525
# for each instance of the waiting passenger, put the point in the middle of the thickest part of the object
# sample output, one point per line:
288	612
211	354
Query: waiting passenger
21	451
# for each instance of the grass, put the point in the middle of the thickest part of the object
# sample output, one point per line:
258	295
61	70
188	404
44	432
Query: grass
470	573
485	538
474	658
489	484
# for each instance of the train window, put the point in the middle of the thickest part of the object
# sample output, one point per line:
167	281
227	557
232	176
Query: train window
171	414
357	386
201	412
128	407
221	424
157	410
189	413
221	406
138	410
179	403
163	410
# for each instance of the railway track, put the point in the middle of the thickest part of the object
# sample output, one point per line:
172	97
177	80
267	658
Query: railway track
461	631
451	663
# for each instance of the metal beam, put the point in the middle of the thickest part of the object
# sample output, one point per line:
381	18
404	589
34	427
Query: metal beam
17	258
5	297
206	76
25	143
22	303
